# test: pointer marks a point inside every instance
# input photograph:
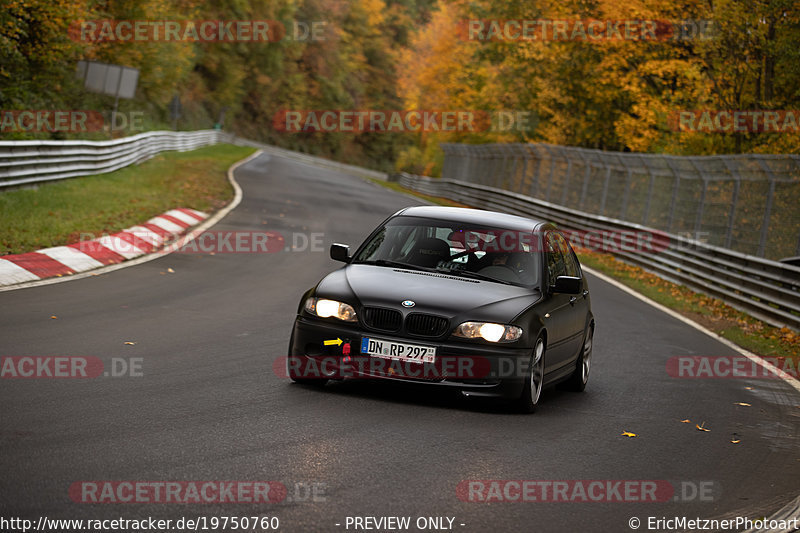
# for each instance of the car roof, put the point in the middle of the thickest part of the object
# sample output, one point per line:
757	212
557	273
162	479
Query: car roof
473	216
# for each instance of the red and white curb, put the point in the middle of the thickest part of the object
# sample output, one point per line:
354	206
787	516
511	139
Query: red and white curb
96	253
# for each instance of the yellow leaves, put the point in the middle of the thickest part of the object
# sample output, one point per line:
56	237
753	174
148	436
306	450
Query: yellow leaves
171	271
687	421
53	317
702	427
629	434
743	404
130	343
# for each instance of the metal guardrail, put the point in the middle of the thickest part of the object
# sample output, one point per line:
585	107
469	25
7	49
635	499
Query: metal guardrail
768	290
31	162
744	202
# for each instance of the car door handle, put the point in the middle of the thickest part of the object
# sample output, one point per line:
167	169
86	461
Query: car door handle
572	300
585	294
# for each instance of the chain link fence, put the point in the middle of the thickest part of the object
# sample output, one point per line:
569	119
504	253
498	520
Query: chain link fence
747	203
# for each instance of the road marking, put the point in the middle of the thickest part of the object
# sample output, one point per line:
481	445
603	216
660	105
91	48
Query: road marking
23	275
674	314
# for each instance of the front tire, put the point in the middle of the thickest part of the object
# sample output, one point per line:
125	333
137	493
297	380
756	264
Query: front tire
577	382
534	380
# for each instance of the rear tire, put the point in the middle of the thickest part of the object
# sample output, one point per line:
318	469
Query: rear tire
534	380
577	382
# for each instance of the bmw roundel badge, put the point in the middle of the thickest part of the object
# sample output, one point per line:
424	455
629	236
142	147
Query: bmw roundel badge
408	303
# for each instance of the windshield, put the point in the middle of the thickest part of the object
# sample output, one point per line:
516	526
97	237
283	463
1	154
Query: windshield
481	252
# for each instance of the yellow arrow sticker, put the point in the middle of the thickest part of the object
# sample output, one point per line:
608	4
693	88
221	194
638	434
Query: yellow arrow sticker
337	342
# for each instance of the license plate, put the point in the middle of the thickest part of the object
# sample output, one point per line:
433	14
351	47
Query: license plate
398	350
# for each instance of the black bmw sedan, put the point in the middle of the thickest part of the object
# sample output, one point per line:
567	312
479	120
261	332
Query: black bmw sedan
489	304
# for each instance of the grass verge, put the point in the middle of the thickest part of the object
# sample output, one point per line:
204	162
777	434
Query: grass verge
57	213
715	315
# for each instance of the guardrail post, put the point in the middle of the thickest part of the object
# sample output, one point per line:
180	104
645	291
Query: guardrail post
623	210
605	189
524	172
698	221
797	252
551	173
737	181
536	170
565	188
674	202
762	240
587	172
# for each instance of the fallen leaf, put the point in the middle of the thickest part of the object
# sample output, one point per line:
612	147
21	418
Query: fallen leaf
130	343
702	427
743	404
748	388
629	434
736	441
685	421
170	271
54	317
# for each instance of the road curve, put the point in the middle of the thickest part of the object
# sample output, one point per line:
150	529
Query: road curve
209	406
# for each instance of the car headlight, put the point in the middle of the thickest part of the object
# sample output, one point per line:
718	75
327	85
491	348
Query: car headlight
330	308
488	331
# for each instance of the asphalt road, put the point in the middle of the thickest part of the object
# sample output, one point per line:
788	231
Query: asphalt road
209	406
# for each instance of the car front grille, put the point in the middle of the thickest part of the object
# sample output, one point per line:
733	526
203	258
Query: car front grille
383	319
426	325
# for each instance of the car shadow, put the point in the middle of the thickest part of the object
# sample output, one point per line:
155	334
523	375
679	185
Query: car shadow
426	396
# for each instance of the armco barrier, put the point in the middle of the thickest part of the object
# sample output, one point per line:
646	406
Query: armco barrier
31	162
768	290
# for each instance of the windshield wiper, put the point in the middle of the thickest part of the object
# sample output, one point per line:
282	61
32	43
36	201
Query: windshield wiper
390	263
474	275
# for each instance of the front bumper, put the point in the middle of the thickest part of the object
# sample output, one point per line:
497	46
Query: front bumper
474	369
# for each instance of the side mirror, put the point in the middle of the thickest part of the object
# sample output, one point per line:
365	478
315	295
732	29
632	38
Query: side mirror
340	252
567	285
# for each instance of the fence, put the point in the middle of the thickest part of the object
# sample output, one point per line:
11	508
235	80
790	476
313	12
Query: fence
768	290
31	162
747	203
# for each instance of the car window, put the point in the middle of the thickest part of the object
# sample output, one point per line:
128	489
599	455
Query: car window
456	247
555	257
570	261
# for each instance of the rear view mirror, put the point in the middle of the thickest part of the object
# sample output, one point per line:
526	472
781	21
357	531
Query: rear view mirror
340	252
567	285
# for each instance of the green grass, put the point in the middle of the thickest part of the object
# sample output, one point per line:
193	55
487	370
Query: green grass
58	213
